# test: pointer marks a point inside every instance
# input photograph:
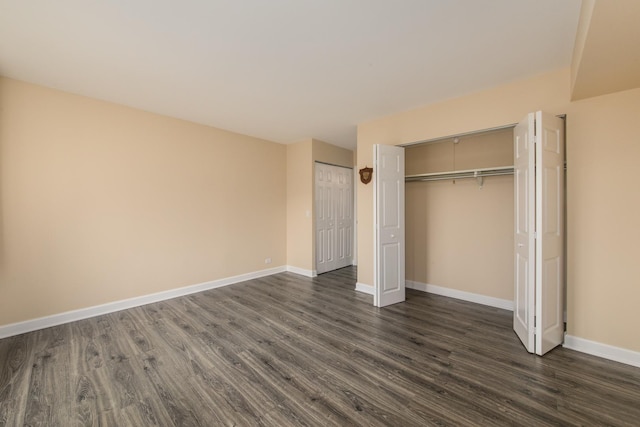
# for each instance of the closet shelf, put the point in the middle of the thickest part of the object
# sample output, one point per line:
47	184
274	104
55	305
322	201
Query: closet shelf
461	174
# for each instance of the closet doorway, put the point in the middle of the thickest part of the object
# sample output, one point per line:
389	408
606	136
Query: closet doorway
460	217
496	238
334	226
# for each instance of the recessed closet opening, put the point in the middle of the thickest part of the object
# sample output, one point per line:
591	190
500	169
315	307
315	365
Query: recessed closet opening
485	222
460	217
334	218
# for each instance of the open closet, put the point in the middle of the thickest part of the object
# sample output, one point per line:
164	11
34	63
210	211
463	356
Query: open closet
485	228
459	216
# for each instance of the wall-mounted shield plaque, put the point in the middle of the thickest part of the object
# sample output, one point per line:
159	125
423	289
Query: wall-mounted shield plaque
366	174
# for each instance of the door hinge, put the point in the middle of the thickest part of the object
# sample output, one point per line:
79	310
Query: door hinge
535	234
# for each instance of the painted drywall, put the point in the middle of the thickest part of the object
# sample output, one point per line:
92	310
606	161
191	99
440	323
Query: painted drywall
606	55
301	158
459	235
584	22
100	202
300	206
602	199
331	154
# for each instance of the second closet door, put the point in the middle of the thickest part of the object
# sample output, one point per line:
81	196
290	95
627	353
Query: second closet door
334	217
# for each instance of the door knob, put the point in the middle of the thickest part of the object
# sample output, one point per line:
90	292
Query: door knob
520	245
393	235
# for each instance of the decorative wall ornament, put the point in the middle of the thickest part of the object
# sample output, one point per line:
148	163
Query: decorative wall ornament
365	175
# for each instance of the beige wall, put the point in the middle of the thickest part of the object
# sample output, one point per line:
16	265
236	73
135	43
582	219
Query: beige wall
602	197
300	205
301	158
474	151
328	153
459	235
606	52
101	202
584	22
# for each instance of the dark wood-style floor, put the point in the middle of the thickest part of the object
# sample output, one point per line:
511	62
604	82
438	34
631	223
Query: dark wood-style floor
287	350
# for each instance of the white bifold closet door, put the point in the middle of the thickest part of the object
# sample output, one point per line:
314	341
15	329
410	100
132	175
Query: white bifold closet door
388	219
539	232
334	217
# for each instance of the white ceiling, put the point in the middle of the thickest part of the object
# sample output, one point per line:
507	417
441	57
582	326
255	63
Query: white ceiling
282	70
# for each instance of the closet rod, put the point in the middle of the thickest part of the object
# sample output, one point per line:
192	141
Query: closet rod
461	174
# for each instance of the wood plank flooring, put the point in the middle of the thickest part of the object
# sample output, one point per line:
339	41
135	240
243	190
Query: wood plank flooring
288	350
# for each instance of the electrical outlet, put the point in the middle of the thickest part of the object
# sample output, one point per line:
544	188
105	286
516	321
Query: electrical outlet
267	260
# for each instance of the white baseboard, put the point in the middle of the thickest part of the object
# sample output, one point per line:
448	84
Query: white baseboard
465	296
84	313
606	351
301	271
364	288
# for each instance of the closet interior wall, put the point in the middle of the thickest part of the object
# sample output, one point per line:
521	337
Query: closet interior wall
459	235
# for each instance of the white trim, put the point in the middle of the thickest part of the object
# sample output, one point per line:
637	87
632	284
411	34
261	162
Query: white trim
301	271
606	351
365	289
84	313
465	296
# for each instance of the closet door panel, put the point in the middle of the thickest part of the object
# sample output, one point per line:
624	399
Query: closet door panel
334	217
524	197
325	220
389	238
538	316
550	227
347	226
344	218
